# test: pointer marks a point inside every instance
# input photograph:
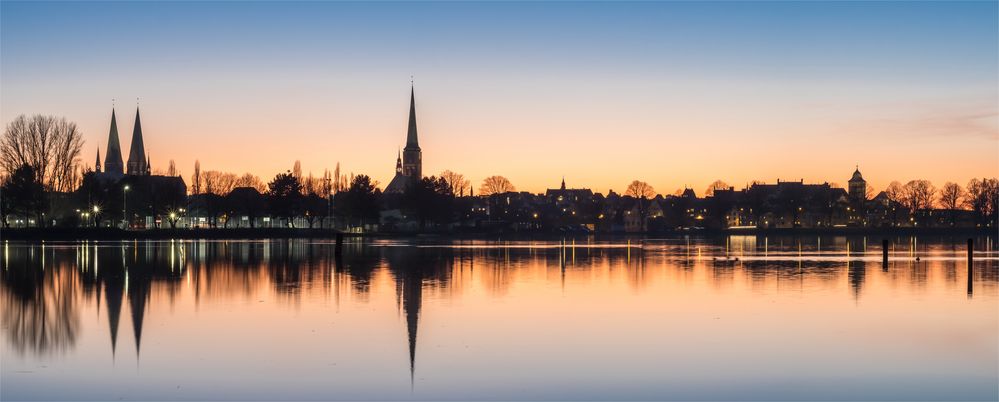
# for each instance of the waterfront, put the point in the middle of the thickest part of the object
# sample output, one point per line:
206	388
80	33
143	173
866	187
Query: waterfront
737	317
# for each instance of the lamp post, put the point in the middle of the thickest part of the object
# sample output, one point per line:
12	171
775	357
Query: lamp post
124	206
97	210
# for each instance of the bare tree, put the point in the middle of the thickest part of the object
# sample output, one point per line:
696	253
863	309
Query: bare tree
457	182
983	198
716	185
918	194
640	189
252	181
311	185
496	185
218	183
951	196
48	144
869	192
196	178
297	170
172	169
894	192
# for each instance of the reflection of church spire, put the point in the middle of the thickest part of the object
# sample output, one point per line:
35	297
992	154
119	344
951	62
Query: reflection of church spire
412	298
113	296
138	293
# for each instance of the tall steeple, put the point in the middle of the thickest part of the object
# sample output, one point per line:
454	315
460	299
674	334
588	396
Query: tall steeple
411	138
97	166
412	157
137	152
112	158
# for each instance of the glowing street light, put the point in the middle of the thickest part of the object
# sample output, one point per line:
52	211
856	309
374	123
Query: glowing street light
124	205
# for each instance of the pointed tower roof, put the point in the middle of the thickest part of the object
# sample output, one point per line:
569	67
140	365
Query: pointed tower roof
114	295
97	166
411	138
112	158
856	175
137	152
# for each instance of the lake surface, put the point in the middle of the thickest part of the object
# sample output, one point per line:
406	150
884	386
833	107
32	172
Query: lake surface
740	317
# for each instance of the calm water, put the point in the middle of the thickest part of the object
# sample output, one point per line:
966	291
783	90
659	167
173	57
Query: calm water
726	318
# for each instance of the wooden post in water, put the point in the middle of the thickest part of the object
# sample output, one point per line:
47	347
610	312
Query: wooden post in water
338	251
971	250
971	271
884	253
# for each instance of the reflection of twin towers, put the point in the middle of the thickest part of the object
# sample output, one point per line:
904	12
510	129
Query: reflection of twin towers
120	274
124	274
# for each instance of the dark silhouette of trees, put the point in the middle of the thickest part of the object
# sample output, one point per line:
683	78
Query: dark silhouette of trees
284	196
983	199
430	200
24	195
196	178
246	201
359	203
951	198
496	185
918	194
252	181
50	145
896	195
640	189
172	169
456	182
716	185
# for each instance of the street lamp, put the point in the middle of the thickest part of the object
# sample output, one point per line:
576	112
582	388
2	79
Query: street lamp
124	206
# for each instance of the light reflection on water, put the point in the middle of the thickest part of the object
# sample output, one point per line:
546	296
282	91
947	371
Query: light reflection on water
738	317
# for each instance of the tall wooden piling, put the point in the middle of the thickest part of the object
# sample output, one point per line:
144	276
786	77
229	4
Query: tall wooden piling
338	251
971	264
884	252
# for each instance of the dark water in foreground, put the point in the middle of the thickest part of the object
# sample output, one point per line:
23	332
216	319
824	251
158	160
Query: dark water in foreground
729	318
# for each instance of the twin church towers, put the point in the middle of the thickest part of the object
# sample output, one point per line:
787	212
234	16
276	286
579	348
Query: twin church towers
138	160
409	164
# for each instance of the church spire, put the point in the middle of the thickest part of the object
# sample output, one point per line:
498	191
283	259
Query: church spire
97	166
112	158
412	156
137	152
411	138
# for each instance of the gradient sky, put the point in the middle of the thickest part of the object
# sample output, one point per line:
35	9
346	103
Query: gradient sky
603	93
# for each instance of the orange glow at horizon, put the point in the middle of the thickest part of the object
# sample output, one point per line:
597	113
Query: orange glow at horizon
538	141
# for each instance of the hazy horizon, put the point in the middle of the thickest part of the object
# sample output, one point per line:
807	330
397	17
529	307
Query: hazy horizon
674	94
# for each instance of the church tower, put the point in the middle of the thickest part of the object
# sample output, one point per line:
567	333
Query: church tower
412	156
857	186
112	158
137	152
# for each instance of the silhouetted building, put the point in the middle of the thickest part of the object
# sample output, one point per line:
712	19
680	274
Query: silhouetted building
858	186
409	166
112	158
137	163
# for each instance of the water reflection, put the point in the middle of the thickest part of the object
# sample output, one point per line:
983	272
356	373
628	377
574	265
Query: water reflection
45	286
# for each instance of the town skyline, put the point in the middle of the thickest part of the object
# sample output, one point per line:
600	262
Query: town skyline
903	104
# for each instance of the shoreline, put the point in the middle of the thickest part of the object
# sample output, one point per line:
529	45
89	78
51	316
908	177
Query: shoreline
285	233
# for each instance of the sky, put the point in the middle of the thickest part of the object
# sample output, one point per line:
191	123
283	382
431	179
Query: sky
677	94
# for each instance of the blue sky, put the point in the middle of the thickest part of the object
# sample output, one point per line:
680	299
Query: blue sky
497	76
